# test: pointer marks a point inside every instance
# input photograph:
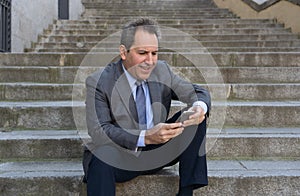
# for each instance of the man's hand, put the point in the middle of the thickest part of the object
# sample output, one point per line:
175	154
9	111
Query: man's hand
162	132
196	118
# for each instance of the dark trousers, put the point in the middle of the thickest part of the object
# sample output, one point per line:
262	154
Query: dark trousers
101	177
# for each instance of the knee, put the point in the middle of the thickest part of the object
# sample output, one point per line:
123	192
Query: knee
100	178
98	166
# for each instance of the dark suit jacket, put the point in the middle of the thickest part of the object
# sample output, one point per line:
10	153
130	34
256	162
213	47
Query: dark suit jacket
111	116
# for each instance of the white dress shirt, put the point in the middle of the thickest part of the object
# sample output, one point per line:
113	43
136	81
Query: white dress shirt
149	112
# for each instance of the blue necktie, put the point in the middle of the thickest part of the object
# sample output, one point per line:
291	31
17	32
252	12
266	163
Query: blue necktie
140	101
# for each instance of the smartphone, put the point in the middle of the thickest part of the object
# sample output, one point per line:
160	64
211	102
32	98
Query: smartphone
185	116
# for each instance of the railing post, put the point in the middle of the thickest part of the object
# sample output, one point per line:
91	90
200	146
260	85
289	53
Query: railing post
5	25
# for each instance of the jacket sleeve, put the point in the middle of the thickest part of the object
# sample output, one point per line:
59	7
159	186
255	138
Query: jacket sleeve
100	122
187	92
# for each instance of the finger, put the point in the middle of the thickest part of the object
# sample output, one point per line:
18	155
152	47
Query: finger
190	122
173	132
197	114
194	121
173	125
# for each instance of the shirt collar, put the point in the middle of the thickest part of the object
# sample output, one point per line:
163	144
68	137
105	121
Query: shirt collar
130	78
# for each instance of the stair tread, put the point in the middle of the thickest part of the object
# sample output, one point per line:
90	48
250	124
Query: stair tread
39	134
212	132
70	103
175	34
216	168
211	84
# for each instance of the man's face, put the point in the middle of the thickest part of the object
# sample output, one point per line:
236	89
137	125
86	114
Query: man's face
142	56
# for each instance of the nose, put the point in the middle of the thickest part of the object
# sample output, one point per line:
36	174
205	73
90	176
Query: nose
150	58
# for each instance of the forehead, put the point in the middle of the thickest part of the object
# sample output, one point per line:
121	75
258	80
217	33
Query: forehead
144	39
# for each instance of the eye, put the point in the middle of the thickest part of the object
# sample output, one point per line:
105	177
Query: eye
142	52
154	53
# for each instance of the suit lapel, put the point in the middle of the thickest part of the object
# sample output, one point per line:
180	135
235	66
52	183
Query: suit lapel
123	92
156	100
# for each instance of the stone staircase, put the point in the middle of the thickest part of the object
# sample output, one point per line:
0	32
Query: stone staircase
257	97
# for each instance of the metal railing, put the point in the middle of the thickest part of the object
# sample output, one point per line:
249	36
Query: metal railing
5	25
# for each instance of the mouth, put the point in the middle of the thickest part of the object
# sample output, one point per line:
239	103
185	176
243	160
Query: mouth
146	67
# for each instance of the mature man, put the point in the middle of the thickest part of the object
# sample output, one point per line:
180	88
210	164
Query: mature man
127	107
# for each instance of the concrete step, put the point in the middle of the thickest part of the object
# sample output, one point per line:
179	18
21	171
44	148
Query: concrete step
190	31
226	177
38	115
148	5
153	5
242	43
39	91
253	49
40	48
38	74
67	26
225	143
151	2
110	45
98	15
41	144
255	142
233	21
264	92
186	6
212	74
59	92
155	11
59	114
174	37
245	60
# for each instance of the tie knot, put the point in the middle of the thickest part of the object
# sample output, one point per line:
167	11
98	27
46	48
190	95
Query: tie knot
139	82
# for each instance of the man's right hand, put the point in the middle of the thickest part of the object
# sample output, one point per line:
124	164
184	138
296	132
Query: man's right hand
162	132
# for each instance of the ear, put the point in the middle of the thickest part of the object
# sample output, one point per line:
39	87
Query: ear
123	52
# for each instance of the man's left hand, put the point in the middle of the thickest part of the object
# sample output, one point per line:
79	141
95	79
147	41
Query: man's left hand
196	118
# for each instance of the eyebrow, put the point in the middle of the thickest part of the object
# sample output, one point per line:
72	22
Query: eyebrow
146	51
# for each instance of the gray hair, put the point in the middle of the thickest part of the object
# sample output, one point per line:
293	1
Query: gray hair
129	30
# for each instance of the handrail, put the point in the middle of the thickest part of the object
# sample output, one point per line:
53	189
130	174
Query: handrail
296	2
284	11
268	3
259	7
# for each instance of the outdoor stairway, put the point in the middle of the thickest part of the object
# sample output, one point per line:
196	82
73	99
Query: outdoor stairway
216	35
219	30
256	153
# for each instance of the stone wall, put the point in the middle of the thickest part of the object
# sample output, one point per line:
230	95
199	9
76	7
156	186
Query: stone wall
76	9
29	18
284	11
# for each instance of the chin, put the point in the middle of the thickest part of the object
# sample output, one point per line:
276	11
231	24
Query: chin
144	77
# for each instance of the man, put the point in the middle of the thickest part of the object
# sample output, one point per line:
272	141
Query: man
127	107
